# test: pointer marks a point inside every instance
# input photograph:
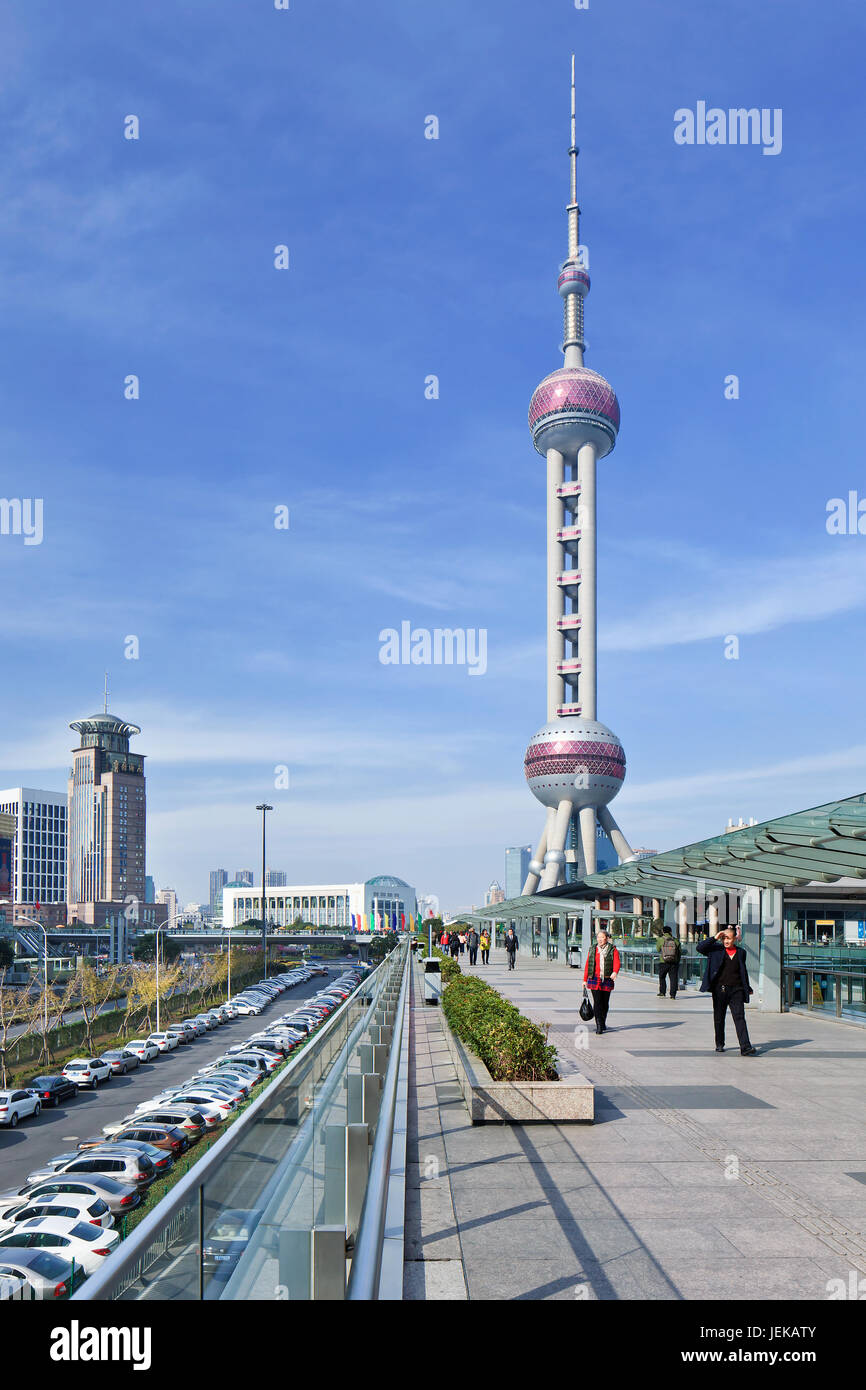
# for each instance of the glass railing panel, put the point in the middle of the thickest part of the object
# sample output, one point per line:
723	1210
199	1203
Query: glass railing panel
169	1268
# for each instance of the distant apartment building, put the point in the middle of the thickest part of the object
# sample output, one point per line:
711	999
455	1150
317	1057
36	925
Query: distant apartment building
149	889
218	880
33	863
244	877
275	878
168	897
516	868
495	894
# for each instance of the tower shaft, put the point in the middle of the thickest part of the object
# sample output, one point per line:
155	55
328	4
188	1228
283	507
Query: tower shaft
588	549
555	592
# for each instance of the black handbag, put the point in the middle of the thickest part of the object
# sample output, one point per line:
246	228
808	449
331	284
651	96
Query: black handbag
586	1010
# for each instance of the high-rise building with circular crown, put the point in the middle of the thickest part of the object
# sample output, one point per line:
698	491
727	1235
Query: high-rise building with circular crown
574	764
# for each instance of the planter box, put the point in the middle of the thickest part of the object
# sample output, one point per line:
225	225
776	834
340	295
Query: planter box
566	1101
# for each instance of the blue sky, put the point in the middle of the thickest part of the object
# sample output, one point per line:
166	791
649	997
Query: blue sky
305	388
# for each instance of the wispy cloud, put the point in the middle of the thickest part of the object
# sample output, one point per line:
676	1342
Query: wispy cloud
746	597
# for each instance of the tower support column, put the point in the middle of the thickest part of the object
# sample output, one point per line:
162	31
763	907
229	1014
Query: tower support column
588	840
536	863
617	839
554	859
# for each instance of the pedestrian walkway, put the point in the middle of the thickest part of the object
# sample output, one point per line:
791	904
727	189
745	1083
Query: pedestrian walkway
704	1175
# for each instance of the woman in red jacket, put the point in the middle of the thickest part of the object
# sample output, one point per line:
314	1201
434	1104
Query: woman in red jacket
601	969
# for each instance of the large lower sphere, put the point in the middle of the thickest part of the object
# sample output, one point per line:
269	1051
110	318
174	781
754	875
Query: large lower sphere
576	760
572	407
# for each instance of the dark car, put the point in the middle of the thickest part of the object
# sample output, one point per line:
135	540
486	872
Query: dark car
121	1061
52	1090
161	1160
227	1240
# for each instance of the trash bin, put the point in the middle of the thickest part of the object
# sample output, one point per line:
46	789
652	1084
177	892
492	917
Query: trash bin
574	957
432	979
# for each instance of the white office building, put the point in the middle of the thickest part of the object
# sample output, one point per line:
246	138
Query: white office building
38	850
388	899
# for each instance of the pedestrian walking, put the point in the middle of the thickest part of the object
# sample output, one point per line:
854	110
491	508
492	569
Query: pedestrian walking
670	952
485	947
472	939
454	945
726	978
443	942
461	939
599	975
512	946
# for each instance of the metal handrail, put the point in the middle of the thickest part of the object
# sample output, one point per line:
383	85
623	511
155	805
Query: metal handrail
126	1257
823	970
367	1259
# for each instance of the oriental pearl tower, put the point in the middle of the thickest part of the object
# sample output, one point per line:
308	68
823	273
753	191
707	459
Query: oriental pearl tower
574	765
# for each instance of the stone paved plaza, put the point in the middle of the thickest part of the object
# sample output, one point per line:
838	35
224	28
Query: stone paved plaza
704	1175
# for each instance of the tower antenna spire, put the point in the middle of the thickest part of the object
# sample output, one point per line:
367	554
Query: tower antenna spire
106	693
573	150
573	277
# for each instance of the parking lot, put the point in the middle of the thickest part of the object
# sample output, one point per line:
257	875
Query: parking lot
40	1138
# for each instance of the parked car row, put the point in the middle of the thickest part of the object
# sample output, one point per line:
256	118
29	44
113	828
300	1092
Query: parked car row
227	1238
66	1210
90	1072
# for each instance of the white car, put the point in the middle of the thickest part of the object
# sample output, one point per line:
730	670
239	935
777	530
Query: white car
76	1206
87	1071
17	1105
80	1241
144	1049
166	1042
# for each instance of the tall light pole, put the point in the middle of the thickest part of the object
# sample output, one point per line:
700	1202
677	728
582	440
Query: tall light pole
31	922
264	808
227	933
162	927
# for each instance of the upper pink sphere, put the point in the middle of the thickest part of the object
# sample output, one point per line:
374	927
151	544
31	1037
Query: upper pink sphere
571	407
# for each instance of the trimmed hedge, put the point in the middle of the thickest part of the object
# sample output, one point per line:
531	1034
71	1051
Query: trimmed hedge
512	1047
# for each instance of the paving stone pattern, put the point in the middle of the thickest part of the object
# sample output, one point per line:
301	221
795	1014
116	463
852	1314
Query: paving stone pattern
704	1176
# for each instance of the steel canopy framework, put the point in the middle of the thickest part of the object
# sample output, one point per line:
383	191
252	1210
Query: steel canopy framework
820	845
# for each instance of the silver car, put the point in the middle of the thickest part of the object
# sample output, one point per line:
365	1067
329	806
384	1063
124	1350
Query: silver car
121	1197
133	1168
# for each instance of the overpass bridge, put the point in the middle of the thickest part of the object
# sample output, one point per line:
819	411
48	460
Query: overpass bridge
93	940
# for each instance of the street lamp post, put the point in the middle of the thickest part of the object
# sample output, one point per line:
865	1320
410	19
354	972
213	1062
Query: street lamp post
264	808
31	922
162	927
227	934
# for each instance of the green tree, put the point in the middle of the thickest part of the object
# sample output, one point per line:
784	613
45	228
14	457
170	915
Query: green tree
7	954
145	948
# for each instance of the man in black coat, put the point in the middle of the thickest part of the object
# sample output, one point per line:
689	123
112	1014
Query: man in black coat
727	979
472	939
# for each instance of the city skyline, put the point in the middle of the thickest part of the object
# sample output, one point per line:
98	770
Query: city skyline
715	518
